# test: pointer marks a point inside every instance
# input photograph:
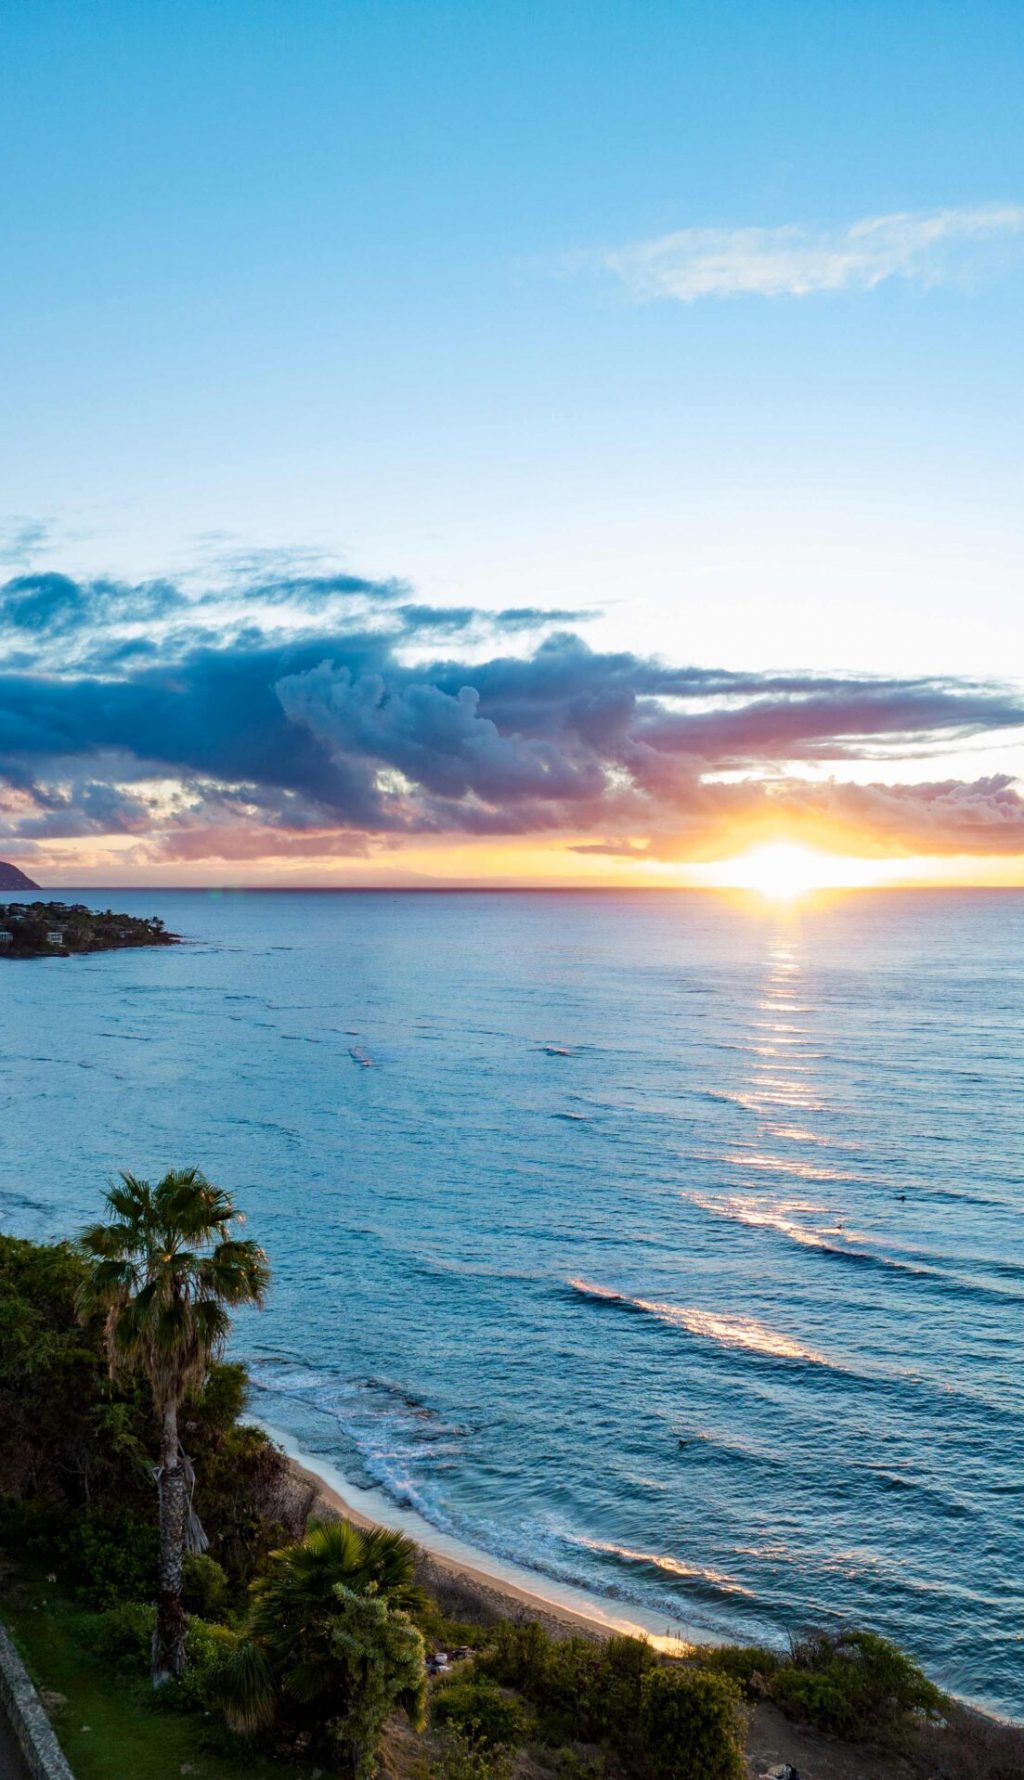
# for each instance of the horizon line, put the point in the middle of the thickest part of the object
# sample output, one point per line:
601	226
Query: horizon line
514	889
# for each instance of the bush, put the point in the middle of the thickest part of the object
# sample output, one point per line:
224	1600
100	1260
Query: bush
572	1764
584	1691
206	1649
327	1652
461	1759
519	1654
443	1631
121	1637
691	1725
483	1713
205	1586
112	1559
853	1684
751	1667
624	1663
968	1746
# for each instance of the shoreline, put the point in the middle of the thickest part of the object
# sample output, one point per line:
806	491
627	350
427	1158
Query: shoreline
462	1573
471	1583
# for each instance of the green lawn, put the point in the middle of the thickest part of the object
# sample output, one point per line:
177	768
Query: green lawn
108	1728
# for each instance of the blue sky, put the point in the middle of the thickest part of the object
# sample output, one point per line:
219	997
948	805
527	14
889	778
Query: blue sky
358	282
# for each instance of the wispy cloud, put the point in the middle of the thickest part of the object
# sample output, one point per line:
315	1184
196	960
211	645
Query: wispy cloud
924	247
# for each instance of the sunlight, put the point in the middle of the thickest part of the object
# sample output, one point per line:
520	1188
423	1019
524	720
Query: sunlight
783	870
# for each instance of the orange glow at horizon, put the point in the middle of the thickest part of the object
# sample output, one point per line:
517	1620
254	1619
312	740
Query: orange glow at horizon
784	870
779	867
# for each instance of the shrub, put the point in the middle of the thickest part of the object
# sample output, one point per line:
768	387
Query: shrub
121	1637
441	1629
205	1585
615	1713
483	1713
518	1654
691	1725
112	1559
968	1746
207	1647
572	1764
854	1684
583	1690
460	1759
749	1665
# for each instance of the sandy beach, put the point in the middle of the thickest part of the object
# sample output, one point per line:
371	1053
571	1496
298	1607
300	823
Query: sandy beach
472	1582
482	1589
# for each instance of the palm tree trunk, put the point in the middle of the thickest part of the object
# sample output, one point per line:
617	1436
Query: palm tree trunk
169	1631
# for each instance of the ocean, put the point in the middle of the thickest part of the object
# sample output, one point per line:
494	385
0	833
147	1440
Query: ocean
669	1245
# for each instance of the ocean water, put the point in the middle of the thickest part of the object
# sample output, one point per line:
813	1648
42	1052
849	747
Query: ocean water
668	1244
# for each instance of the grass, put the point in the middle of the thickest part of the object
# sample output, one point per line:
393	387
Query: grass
110	1728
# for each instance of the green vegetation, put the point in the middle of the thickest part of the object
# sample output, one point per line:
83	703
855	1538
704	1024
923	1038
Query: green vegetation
328	1651
483	1712
462	1758
582	1690
109	1721
164	1269
655	1717
851	1684
690	1725
56	929
299	1645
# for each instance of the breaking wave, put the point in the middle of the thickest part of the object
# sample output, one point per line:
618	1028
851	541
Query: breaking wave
742	1332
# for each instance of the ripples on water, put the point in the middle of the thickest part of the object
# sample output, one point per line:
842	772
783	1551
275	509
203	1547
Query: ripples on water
669	1243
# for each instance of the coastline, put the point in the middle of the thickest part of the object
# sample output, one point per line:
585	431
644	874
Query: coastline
471	1581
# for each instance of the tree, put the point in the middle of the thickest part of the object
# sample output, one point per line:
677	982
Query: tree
329	1650
165	1268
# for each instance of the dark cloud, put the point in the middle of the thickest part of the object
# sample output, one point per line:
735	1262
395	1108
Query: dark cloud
284	715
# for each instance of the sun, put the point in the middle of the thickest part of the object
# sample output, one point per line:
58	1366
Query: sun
783	870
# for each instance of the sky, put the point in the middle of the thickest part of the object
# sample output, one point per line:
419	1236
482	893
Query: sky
474	442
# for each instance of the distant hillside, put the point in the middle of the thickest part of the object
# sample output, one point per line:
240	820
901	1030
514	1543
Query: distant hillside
13	879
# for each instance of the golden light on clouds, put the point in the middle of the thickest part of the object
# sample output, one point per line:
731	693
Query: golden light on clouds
778	868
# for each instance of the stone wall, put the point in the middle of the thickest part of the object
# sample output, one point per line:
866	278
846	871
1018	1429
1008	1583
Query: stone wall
23	1709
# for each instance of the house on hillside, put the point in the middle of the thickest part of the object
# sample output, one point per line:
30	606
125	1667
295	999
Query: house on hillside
6	937
54	936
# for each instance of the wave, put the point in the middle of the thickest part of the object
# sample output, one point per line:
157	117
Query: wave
714	1580
748	1102
392	1431
741	1332
836	1242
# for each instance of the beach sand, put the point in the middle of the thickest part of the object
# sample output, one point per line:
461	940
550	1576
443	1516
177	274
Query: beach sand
471	1585
474	1586
474	1591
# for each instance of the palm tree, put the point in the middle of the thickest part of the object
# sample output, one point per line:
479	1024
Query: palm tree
166	1267
329	1649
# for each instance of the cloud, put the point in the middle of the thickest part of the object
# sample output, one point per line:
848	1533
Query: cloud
304	717
983	818
923	247
21	540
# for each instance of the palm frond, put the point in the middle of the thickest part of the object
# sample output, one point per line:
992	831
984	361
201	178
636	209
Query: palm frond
165	1268
242	1685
